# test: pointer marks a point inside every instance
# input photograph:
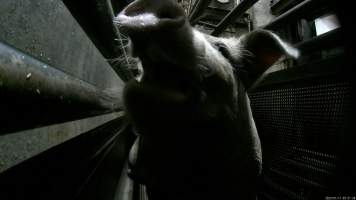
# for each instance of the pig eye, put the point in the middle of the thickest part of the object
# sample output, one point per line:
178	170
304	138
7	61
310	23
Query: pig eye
223	50
238	67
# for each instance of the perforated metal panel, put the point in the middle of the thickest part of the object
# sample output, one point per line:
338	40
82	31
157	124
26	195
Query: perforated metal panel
300	125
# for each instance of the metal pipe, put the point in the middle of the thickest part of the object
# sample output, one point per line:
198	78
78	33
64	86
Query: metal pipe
237	12
34	94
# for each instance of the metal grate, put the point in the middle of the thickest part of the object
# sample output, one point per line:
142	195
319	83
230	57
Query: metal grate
300	128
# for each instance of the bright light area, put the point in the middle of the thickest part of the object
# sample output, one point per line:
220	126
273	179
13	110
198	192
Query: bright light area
326	23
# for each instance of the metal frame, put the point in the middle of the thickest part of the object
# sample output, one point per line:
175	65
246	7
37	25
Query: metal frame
198	10
322	68
237	12
85	167
295	13
100	13
279	6
329	39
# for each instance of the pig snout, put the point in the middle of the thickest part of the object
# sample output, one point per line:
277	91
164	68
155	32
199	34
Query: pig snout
160	34
150	15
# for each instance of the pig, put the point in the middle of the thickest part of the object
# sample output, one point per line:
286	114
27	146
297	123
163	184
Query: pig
197	137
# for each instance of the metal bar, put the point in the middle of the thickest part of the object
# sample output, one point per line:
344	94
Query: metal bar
190	7
266	196
329	39
298	179
99	13
294	13
198	10
207	24
281	5
329	67
112	151
68	165
237	12
104	154
34	94
280	188
304	166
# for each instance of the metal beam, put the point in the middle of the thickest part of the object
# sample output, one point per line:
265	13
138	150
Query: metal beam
295	13
237	12
329	39
282	5
198	10
34	94
92	14
207	24
330	67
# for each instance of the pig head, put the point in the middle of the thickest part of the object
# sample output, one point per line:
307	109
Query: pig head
197	137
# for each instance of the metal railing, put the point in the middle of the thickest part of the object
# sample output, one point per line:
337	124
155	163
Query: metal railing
35	94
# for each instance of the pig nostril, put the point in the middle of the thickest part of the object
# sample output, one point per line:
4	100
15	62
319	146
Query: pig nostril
137	22
132	174
166	16
134	10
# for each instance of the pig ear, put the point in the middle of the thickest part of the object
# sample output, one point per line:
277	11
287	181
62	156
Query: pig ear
260	50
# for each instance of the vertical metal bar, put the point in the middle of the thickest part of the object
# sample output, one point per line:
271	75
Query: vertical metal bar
237	12
190	7
100	13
